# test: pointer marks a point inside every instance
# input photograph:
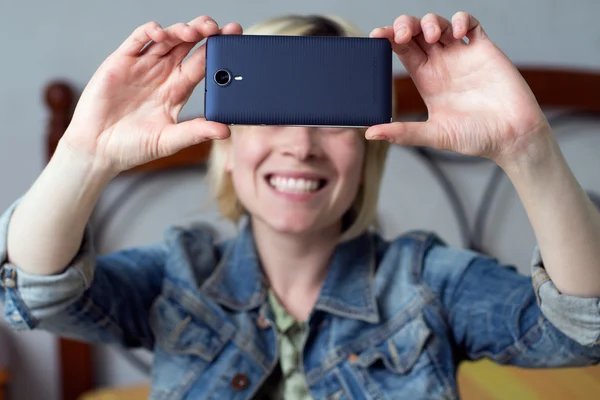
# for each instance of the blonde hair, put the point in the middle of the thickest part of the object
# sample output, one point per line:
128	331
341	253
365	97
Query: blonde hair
363	211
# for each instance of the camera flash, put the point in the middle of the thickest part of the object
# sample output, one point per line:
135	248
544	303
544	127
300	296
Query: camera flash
238	78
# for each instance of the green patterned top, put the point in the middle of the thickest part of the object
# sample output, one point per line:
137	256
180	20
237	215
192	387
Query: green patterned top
292	334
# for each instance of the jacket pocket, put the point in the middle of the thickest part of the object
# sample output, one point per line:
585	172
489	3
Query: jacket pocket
401	351
192	347
397	367
179	330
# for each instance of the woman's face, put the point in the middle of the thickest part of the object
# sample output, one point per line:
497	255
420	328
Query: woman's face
296	180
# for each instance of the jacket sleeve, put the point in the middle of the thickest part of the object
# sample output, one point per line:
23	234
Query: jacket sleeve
497	313
102	299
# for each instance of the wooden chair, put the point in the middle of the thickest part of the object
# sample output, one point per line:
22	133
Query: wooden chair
4	381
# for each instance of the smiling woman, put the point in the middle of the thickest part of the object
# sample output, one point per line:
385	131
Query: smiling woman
367	317
246	170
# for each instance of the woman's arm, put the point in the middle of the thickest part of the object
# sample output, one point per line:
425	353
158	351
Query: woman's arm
566	223
93	298
52	277
480	105
46	228
494	312
125	117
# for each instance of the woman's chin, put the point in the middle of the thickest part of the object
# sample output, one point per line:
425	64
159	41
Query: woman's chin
294	223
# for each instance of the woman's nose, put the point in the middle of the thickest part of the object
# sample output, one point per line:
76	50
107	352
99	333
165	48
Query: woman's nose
300	142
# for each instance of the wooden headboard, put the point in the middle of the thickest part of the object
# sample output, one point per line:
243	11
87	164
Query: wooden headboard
570	89
576	90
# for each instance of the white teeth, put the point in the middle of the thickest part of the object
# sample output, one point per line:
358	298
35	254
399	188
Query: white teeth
292	185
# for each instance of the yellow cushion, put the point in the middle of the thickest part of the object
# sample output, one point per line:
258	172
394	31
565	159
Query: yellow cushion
138	392
484	380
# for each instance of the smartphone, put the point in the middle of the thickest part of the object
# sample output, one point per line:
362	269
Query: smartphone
298	80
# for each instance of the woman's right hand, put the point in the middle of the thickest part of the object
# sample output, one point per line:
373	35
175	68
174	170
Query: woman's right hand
127	114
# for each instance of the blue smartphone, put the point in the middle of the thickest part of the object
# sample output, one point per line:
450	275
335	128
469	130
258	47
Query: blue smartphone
298	80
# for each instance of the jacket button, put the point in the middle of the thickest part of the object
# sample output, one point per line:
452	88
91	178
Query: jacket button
262	322
239	382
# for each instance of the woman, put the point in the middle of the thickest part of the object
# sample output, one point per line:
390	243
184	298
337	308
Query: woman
307	302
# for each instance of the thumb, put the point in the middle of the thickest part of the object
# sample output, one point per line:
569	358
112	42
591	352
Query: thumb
185	134
419	134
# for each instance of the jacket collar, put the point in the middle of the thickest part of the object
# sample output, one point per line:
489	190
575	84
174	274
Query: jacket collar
239	283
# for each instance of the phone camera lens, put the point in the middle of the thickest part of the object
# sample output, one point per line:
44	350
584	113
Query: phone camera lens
222	77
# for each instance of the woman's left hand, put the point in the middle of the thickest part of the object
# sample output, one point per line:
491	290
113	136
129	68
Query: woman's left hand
478	103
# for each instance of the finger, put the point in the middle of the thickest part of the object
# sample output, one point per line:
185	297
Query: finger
386	32
432	27
205	26
400	36
185	134
409	54
176	34
183	33
405	133
464	24
408	28
193	68
141	36
414	32
233	28
437	29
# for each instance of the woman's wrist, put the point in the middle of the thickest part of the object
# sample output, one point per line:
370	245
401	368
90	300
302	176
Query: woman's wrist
536	152
81	166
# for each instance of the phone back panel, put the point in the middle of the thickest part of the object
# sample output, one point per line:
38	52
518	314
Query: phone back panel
299	80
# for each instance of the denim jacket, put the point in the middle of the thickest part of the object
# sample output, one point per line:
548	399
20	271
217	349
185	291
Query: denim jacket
393	319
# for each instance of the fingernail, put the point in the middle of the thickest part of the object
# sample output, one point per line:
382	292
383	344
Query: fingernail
210	22
374	31
219	136
429	29
400	31
378	137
